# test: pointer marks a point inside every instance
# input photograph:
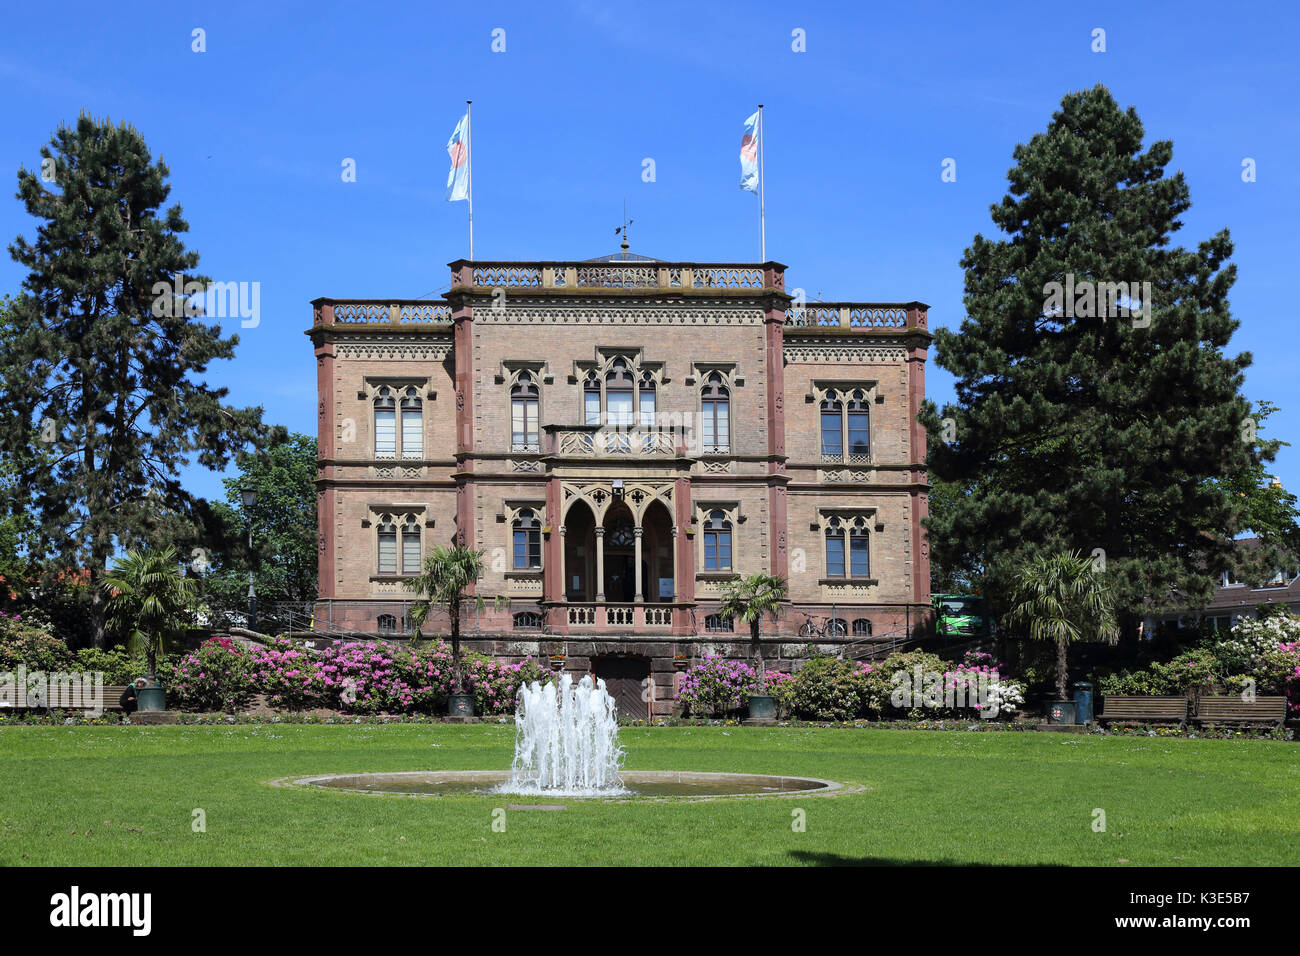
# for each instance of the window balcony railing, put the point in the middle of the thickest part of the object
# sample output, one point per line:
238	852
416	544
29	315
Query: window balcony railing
613	442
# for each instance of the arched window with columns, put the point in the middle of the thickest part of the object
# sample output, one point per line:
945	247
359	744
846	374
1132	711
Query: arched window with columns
848	546
845	422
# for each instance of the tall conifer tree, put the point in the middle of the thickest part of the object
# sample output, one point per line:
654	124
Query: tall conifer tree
101	373
1111	434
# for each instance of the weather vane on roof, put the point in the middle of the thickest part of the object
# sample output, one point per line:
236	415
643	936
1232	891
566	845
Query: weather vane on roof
623	228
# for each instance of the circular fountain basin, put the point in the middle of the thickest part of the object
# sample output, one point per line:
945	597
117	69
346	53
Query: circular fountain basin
635	783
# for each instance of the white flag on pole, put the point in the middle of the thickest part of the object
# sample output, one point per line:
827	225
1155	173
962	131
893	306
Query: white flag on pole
749	155
458	150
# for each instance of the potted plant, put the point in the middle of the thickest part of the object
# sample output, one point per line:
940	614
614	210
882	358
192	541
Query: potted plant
149	600
1061	598
448	573
749	599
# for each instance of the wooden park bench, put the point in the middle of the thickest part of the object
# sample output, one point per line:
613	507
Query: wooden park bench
112	701
1144	710
1231	710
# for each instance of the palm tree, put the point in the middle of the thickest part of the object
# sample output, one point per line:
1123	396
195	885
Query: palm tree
448	574
748	599
149	600
1061	598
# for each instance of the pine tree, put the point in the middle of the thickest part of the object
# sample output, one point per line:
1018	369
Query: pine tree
1077	426
104	371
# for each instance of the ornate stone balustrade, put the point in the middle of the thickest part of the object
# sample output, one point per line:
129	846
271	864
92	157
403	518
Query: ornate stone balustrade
612	275
372	312
811	316
851	315
610	614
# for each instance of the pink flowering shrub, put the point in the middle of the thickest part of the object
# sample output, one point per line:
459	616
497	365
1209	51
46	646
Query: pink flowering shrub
290	678
716	685
366	678
492	682
373	678
215	677
1292	649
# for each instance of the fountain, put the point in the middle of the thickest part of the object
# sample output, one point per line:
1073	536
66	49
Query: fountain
566	740
566	745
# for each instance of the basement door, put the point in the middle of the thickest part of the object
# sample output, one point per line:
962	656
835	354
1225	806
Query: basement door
628	680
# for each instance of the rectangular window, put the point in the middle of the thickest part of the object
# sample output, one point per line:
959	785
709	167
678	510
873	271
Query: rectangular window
835	556
527	550
832	438
859	562
385	433
412	434
388	552
411	553
647	409
716	426
620	408
717	551
591	405
859	433
523	422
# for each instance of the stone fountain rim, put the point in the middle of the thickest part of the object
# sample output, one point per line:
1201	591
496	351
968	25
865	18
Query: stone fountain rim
821	787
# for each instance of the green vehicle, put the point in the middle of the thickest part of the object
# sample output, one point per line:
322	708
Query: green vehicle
962	615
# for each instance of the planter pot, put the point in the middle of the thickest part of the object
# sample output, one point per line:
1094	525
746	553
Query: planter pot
762	707
460	705
1060	712
150	700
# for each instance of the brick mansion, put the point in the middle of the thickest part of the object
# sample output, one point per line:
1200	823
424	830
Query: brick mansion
620	437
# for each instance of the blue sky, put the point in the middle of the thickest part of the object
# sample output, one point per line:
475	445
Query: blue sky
256	129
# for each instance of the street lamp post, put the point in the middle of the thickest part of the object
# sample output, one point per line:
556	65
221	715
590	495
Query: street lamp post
249	496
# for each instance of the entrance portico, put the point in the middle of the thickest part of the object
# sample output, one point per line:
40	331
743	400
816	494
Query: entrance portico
618	562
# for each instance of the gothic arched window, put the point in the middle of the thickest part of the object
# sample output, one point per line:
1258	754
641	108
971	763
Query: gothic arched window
385	423
412	423
527	534
717	542
715	415
524	398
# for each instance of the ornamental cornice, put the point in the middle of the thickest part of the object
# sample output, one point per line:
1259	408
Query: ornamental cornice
651	313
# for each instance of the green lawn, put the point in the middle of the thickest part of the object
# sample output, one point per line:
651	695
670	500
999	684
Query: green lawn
125	795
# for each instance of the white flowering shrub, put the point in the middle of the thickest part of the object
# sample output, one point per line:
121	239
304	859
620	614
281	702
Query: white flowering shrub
1253	639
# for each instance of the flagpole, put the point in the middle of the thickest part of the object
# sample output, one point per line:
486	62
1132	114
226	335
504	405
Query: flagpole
469	176
762	212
